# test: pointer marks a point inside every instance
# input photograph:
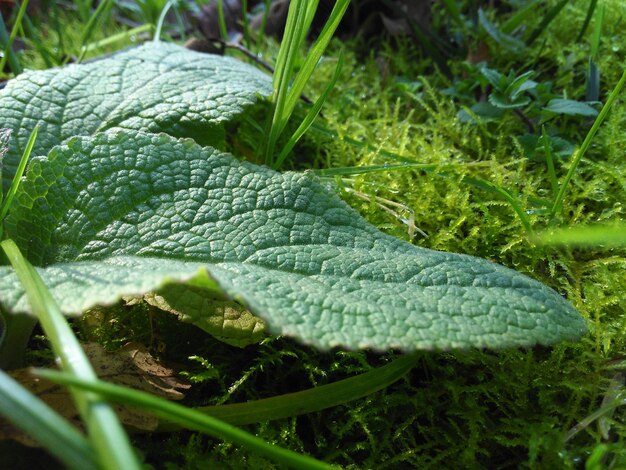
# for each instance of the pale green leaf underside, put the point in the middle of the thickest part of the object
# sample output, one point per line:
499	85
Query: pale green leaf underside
157	87
226	320
124	213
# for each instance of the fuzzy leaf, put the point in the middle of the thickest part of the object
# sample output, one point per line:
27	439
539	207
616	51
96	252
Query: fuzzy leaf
124	213
157	87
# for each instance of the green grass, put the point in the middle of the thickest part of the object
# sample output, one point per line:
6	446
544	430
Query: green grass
457	410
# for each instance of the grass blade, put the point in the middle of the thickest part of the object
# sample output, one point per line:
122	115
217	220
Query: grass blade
508	197
545	22
361	170
8	49
558	201
315	54
187	418
32	39
84	8
44	425
123	36
314	399
522	14
284	71
222	20
106	434
285	97
91	26
18	175
288	36
266	10
311	115
161	20
245	24
588	16
597	34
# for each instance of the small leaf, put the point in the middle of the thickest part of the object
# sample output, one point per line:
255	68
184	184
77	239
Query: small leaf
507	41
533	147
282	245
570	107
484	110
495	78
502	101
521	84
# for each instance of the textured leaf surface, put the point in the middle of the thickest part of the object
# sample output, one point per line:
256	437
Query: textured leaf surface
157	87
126	212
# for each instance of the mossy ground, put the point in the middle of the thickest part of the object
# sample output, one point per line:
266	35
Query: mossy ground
470	409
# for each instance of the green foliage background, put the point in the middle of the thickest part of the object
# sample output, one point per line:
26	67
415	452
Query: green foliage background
473	409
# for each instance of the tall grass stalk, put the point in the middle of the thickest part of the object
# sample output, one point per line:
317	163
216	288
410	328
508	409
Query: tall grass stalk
312	113
106	434
91	26
8	48
221	19
161	20
287	92
558	201
17	328
187	418
53	432
6	203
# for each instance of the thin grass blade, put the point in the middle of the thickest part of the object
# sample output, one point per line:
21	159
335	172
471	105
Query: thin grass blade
187	418
386	167
53	432
123	36
315	54
33	39
506	195
18	175
285	71
288	36
311	114
221	19
91	25
106	434
314	399
545	22
558	201
526	12
590	10
161	20
311	8
8	48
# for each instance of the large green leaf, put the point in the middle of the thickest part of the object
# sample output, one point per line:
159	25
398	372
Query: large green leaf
125	213
157	87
